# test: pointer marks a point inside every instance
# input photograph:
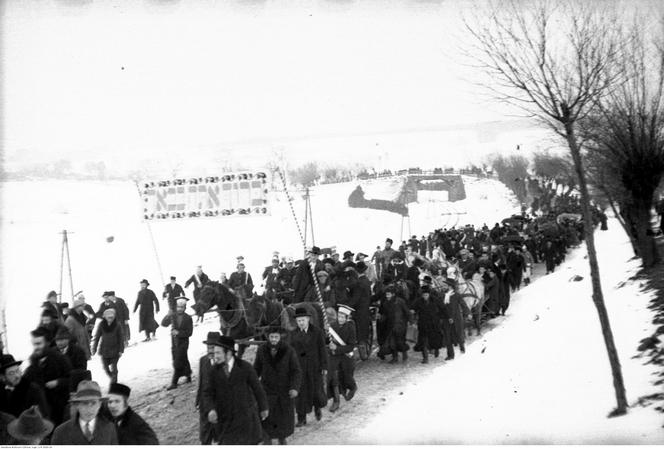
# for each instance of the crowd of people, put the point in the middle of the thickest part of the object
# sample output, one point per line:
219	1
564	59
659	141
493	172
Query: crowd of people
411	294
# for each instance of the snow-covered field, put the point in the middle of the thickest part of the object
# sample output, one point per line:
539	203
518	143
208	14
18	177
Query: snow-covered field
542	376
35	212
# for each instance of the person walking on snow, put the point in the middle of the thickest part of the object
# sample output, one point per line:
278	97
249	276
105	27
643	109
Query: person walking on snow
147	301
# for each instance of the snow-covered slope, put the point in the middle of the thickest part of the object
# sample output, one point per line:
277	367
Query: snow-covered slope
34	214
542	376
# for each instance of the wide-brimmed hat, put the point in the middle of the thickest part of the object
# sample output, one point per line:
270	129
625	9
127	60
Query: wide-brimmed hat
273	330
348	254
63	334
7	361
145	281
87	390
77	376
302	312
314	250
212	337
225	342
119	389
30	426
106	294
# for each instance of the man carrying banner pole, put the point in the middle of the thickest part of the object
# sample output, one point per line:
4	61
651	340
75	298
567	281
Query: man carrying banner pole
342	363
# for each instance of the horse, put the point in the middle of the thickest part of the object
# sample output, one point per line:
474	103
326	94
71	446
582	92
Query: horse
472	293
244	320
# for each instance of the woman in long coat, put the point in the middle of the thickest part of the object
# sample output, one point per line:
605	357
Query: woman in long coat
148	302
280	374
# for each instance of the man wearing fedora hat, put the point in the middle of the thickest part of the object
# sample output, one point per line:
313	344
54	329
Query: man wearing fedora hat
148	302
50	370
52	305
205	364
30	428
131	428
303	282
86	425
182	327
308	342
233	398
277	367
17	393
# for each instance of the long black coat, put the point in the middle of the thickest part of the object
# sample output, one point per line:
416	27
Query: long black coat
206	430
279	375
25	395
52	366
303	283
455	330
237	399
394	321
171	293
148	302
313	358
133	430
429	315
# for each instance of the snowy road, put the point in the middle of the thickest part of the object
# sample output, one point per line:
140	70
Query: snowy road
542	376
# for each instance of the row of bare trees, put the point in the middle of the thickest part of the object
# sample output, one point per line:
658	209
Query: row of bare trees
595	79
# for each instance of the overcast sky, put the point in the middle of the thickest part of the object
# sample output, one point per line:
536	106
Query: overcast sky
139	79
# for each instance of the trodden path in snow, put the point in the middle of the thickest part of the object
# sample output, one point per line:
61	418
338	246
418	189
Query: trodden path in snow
542	377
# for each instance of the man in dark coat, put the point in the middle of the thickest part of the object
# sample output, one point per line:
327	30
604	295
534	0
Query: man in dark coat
453	326
172	291
68	346
504	281
131	428
233	398
51	304
240	283
271	276
205	369
86	426
199	279
362	312
303	283
429	315
50	370
549	253
342	364
286	274
308	342
181	330
393	315
17	393
122	315
112	344
148	302
277	366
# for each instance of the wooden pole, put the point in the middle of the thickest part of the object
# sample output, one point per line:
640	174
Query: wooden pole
71	279
311	219
306	215
62	267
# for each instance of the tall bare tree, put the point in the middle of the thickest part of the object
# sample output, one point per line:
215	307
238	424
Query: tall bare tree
625	134
553	61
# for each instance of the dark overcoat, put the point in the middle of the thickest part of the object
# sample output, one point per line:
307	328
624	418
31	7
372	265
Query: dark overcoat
148	303
206	430
77	356
112	340
22	397
454	331
313	358
303	283
279	374
69	433
394	319
429	315
237	399
171	293
52	366
133	430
